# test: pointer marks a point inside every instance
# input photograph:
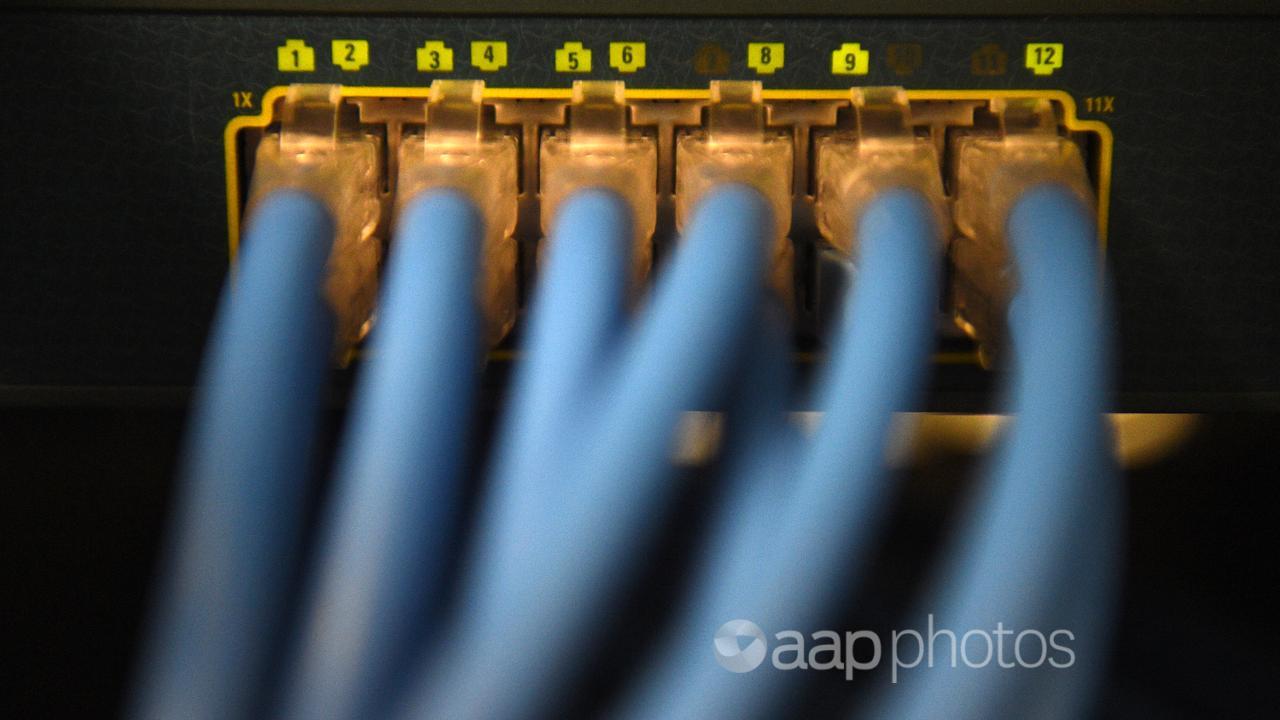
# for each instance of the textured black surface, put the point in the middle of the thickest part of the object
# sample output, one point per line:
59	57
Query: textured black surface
114	231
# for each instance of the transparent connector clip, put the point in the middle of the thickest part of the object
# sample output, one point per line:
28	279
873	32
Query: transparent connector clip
598	150
992	171
738	147
321	149
880	152
459	152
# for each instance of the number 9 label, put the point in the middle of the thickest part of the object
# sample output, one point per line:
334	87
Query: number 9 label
850	59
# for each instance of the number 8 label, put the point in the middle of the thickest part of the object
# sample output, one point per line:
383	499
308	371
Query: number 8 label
765	58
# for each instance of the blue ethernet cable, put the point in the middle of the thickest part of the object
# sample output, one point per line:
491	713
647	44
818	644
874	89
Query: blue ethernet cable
248	460
1037	549
512	655
787	562
580	318
385	544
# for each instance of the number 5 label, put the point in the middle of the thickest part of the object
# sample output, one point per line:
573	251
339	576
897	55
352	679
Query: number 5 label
488	55
626	57
573	58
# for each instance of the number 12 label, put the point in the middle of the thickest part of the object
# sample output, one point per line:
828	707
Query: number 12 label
1044	58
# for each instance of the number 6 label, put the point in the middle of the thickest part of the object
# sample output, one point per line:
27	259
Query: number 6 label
626	57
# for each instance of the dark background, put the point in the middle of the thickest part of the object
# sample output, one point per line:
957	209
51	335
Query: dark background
113	247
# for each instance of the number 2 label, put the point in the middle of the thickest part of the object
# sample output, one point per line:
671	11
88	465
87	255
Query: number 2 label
350	55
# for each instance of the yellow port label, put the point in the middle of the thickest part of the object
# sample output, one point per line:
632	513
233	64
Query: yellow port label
435	56
295	56
1044	58
488	55
350	55
626	57
573	58
765	58
850	59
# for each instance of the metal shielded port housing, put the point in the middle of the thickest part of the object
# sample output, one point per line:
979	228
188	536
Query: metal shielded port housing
600	148
876	150
735	146
817	155
321	149
1020	147
458	149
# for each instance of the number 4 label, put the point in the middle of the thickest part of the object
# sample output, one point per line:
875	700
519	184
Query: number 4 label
488	55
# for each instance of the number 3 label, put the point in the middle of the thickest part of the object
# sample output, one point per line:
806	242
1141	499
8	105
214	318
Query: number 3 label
435	56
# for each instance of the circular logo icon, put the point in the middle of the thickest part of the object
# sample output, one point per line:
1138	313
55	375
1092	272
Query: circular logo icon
740	646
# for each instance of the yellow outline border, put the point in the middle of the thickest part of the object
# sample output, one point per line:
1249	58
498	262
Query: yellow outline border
265	117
